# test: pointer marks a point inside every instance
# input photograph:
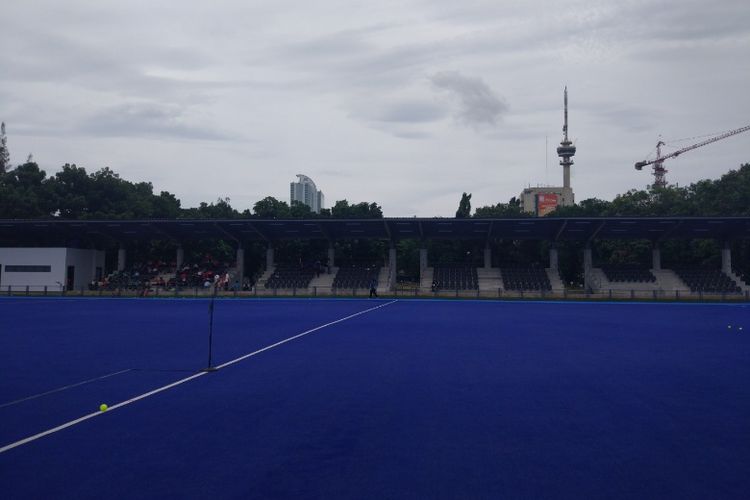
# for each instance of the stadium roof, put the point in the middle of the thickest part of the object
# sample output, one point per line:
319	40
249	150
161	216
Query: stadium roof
47	232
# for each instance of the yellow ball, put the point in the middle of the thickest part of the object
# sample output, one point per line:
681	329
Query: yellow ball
103	407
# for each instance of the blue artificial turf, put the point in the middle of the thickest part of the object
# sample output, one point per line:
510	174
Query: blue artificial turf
418	399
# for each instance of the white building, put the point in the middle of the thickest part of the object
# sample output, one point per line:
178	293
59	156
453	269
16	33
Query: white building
542	200
54	268
306	192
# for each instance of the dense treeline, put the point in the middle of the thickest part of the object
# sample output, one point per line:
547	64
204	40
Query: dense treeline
27	193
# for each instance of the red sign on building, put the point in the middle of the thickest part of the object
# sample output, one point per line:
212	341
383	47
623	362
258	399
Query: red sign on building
545	203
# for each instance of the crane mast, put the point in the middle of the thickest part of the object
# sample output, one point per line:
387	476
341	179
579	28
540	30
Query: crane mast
658	164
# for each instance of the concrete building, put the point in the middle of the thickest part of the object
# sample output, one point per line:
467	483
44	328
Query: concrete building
54	268
305	191
542	200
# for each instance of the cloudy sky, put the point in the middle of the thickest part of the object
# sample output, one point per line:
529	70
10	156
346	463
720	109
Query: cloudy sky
405	103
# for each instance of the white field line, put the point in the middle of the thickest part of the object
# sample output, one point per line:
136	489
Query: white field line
179	382
65	387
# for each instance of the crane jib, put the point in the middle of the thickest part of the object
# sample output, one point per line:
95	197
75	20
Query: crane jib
639	165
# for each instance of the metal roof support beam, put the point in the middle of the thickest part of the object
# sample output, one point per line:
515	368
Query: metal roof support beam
102	229
164	232
260	233
228	234
595	233
560	231
669	231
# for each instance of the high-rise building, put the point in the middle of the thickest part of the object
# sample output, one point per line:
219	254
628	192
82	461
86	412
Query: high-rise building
306	192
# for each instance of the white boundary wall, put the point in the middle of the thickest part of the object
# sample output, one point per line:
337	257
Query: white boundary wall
84	261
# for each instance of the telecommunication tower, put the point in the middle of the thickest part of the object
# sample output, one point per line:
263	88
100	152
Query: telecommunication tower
566	150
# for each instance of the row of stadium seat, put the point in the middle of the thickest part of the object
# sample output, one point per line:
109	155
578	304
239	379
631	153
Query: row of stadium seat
290	276
708	280
528	278
455	277
356	276
628	274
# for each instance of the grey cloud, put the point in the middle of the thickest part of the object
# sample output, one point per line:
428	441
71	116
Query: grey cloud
624	117
478	104
403	111
147	120
412	135
676	20
353	59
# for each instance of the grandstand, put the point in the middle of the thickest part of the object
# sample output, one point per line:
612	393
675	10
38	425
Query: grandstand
441	278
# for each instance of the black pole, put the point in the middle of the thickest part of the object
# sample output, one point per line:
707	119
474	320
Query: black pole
210	367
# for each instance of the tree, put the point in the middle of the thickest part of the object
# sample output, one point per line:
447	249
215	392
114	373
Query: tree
299	210
363	210
271	208
591	207
166	206
4	154
74	194
502	210
24	193
464	207
221	209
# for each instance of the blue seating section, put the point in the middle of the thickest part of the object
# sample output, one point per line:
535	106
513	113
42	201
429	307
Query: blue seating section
708	280
455	277
525	278
628	274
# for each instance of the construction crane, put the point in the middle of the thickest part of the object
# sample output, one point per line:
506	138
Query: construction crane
660	171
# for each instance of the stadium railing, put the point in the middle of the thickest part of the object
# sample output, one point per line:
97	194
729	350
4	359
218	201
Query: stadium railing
399	292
